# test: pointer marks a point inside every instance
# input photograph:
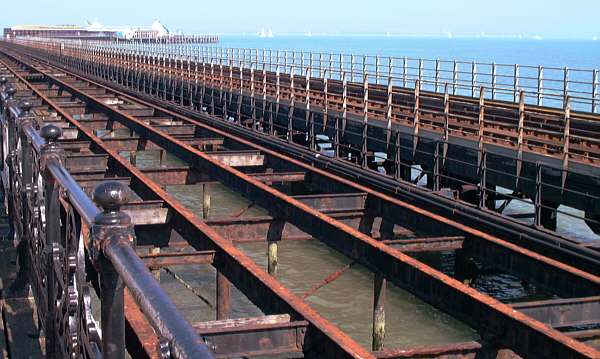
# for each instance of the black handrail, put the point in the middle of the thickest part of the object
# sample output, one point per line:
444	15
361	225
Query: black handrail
35	157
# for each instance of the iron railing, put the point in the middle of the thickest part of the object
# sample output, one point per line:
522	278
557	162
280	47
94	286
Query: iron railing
61	232
298	118
541	85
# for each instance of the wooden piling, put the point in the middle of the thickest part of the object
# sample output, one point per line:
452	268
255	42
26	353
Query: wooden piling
205	201
155	271
379	294
272	258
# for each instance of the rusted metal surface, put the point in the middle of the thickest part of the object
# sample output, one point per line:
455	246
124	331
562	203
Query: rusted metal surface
451	351
141	338
563	312
262	336
439	290
224	134
324	338
427	244
330	278
163	259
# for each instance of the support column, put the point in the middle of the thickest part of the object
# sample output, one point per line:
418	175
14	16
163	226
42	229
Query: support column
205	201
155	271
548	215
379	294
273	236
223	297
111	225
464	268
386	230
272	258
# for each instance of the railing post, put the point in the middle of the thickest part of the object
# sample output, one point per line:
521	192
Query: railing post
473	78
454	77
520	137
27	190
111	225
494	80
416	117
436	167
540	86
437	75
51	134
565	86
566	141
537	200
595	100
516	94
365	134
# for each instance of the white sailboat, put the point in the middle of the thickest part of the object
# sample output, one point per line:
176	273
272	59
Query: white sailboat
262	33
269	33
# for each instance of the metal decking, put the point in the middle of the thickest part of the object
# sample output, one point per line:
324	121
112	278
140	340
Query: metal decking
375	229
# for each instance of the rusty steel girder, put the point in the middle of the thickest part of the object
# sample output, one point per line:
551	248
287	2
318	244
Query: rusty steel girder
508	327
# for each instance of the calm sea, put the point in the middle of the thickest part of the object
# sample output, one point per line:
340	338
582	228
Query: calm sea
578	54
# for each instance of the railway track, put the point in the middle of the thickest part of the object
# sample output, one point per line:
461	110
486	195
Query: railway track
580	255
534	128
373	229
476	147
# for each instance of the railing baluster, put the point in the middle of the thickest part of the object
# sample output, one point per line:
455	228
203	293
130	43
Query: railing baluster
595	99
540	85
565	85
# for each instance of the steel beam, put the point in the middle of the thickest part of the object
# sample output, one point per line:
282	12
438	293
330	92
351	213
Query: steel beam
510	328
563	312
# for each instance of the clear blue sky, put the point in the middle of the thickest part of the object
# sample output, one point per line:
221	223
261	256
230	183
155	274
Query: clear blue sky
546	18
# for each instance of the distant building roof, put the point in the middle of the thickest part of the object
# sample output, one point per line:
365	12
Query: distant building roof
47	27
92	28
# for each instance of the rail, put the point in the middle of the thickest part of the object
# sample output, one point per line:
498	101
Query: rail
549	86
62	231
421	280
547	149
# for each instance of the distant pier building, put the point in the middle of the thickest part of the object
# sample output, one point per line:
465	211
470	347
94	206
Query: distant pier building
95	30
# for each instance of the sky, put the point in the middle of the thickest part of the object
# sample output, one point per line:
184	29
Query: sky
544	18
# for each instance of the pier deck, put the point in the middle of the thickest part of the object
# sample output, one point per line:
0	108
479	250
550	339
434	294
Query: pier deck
484	148
73	132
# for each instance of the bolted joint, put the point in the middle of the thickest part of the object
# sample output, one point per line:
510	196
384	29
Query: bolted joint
51	149
112	224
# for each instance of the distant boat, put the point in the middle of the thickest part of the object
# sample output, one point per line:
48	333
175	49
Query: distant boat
309	34
269	33
262	33
449	35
